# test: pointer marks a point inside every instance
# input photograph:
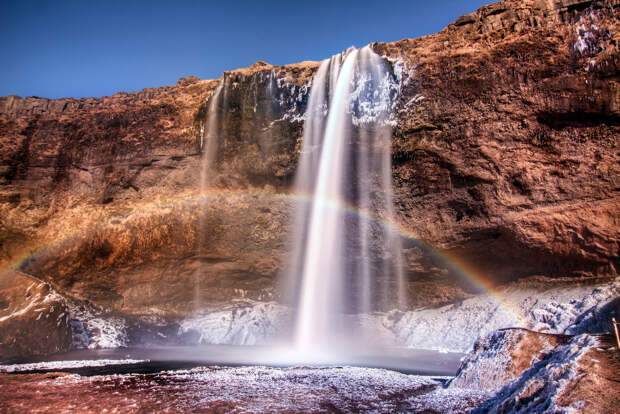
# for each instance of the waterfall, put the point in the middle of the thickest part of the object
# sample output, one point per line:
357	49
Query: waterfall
345	257
345	260
209	133
242	112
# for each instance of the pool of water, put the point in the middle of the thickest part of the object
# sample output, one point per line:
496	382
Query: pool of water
153	360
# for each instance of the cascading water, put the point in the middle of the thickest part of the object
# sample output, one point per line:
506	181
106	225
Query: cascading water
240	111
347	262
209	132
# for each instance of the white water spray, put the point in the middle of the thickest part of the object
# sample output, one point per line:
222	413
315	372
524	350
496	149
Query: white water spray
347	263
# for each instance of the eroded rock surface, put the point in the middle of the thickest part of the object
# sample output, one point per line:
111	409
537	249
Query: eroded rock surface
506	149
503	356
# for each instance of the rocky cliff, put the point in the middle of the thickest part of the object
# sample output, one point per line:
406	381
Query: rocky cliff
506	151
505	154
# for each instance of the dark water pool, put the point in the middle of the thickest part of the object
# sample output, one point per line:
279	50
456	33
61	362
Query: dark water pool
153	360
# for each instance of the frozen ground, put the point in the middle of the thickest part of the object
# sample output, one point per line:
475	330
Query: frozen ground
543	388
452	328
52	365
249	323
218	389
456	327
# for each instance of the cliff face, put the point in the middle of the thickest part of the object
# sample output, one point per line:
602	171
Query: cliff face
102	197
506	149
505	153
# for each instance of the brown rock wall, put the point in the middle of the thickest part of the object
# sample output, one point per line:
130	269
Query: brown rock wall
34	320
506	154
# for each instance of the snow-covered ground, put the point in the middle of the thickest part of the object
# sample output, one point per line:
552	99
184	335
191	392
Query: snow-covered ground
542	388
452	328
253	389
447	401
55	365
456	327
248	323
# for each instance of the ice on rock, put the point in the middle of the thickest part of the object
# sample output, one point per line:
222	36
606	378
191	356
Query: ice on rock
489	366
484	380
456	327
93	330
539	389
56	365
248	323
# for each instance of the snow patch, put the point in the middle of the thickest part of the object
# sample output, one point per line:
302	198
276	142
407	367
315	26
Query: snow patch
403	73
448	400
34	301
292	97
93	330
54	365
257	389
249	323
456	327
591	37
583	37
344	389
489	366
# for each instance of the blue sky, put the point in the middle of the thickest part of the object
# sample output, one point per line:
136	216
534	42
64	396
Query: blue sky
98	47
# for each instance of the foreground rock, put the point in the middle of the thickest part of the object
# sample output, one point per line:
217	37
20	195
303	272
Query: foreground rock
572	378
518	371
503	356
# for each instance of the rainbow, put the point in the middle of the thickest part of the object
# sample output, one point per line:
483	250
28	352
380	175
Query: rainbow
453	263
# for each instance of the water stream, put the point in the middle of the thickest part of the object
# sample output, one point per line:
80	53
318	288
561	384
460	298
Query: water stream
346	260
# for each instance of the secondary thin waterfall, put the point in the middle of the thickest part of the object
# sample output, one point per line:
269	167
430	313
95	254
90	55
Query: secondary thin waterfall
209	132
345	256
